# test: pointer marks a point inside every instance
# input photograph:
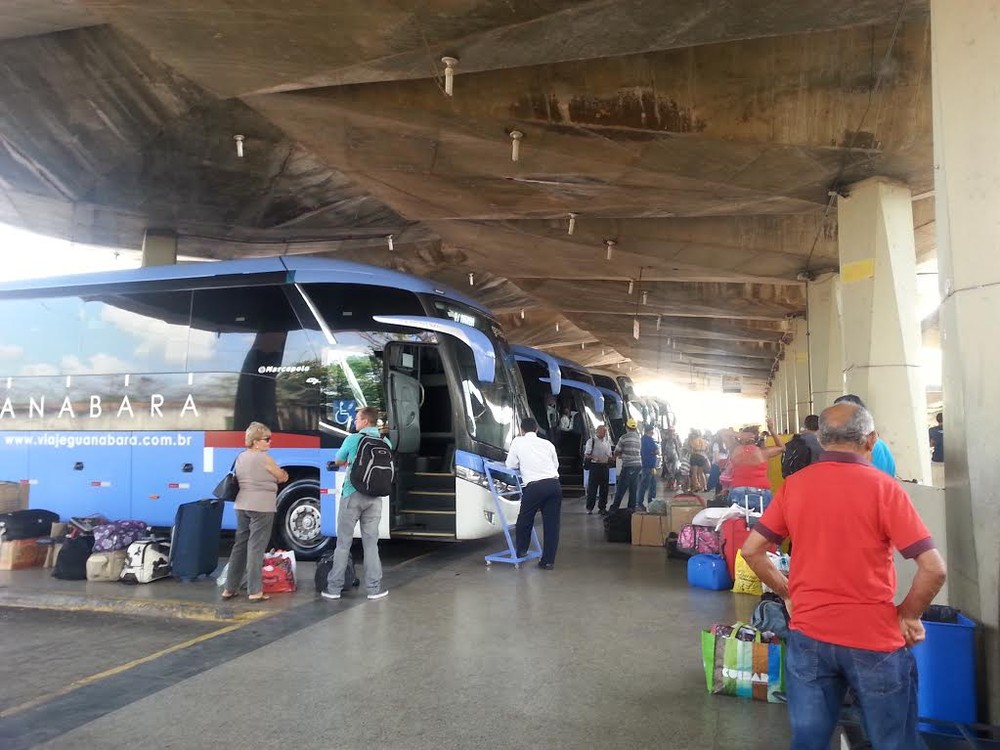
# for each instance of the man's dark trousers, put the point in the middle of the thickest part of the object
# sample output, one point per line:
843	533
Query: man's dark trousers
628	481
597	486
544	495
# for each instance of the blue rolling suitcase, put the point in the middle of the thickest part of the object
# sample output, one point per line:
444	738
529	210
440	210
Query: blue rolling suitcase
709	572
194	543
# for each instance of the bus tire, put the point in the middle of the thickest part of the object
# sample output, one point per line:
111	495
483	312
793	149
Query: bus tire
296	525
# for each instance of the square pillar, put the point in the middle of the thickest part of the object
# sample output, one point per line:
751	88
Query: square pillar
882	339
826	345
159	248
965	39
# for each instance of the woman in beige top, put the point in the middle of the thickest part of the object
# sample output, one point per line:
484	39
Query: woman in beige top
259	477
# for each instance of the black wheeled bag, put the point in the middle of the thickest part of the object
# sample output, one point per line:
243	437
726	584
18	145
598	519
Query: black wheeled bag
618	526
27	524
194	542
325	565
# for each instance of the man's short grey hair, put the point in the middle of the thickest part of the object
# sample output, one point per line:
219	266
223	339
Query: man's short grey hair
852	432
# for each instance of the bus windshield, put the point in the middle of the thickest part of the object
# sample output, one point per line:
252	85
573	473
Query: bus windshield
492	409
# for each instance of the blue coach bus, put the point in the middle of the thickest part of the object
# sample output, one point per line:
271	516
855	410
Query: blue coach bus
127	393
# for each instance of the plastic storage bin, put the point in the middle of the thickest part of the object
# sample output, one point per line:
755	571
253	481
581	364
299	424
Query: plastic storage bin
946	665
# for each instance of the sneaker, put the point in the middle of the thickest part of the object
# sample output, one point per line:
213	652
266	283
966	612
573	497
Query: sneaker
380	595
590	512
330	594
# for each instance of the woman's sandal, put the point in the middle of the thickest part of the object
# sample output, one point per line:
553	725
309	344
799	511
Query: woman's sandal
230	594
258	598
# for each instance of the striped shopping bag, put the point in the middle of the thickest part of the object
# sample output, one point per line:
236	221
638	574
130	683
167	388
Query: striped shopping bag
743	668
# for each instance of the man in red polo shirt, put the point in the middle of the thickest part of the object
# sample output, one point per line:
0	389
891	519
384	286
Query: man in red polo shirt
844	518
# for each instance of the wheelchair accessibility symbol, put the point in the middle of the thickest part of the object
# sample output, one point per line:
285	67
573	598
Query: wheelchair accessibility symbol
343	412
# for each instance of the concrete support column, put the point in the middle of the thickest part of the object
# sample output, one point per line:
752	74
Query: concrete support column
882	341
779	398
791	397
826	344
965	41
803	394
159	248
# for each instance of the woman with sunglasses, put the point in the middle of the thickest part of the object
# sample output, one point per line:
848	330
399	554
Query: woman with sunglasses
256	503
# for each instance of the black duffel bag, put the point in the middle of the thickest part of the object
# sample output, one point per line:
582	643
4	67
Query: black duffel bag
71	565
27	524
618	526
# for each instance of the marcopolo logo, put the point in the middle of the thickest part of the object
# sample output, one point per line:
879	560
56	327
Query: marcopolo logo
94	407
275	369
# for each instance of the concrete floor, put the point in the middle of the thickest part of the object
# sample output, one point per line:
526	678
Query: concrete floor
44	651
601	652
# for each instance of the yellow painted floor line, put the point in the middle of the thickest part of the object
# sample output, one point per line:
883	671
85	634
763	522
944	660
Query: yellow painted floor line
76	685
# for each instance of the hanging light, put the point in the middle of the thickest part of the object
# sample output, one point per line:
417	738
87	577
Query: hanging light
522	313
389	240
449	74
472	279
239	145
557	326
659	319
610	244
572	224
645	298
631	286
515	144
583	345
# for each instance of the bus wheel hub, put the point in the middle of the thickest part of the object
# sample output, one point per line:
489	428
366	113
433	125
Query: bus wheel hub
303	522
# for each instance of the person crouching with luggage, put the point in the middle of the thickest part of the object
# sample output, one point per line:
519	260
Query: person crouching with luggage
256	503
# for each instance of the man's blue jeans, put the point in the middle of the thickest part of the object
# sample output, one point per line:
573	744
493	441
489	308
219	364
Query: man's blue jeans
647	485
817	676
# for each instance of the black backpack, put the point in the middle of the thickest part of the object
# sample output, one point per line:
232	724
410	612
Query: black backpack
796	456
71	565
372	471
325	565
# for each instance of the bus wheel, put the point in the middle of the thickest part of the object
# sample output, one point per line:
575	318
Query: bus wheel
297	523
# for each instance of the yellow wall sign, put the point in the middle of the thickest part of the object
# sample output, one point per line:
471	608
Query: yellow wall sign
859	270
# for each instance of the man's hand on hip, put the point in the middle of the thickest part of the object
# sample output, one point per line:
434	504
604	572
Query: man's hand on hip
912	629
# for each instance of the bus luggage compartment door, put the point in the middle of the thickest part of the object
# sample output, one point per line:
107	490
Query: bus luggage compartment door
81	479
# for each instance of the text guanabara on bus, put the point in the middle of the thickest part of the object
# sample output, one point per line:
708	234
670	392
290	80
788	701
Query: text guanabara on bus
127	393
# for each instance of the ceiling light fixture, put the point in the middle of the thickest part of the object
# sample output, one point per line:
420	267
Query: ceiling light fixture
611	246
557	326
472	279
449	74
583	344
631	286
522	313
515	144
645	298
572	224
389	240
659	319
239	145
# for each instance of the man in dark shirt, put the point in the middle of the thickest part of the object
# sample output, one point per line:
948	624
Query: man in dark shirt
936	435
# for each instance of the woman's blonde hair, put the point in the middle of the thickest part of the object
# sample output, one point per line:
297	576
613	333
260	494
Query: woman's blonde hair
256	431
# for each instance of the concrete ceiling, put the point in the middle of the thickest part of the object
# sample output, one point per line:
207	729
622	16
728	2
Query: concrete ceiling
703	138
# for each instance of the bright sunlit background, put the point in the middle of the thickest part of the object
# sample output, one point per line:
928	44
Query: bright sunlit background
26	255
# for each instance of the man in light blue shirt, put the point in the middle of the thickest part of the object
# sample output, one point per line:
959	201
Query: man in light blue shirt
354	507
882	458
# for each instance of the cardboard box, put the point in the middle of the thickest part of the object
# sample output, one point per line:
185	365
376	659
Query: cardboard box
649	529
13	496
681	515
16	554
59	530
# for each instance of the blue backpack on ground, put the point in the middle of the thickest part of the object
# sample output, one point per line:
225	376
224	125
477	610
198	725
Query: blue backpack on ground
709	572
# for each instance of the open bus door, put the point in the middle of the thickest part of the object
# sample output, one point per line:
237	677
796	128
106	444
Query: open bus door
404	396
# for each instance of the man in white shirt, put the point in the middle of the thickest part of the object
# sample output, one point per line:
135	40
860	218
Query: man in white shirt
597	456
541	491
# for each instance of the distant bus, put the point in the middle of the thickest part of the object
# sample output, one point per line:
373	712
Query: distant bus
556	387
127	393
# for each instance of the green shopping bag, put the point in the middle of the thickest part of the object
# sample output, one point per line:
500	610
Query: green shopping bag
745	669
